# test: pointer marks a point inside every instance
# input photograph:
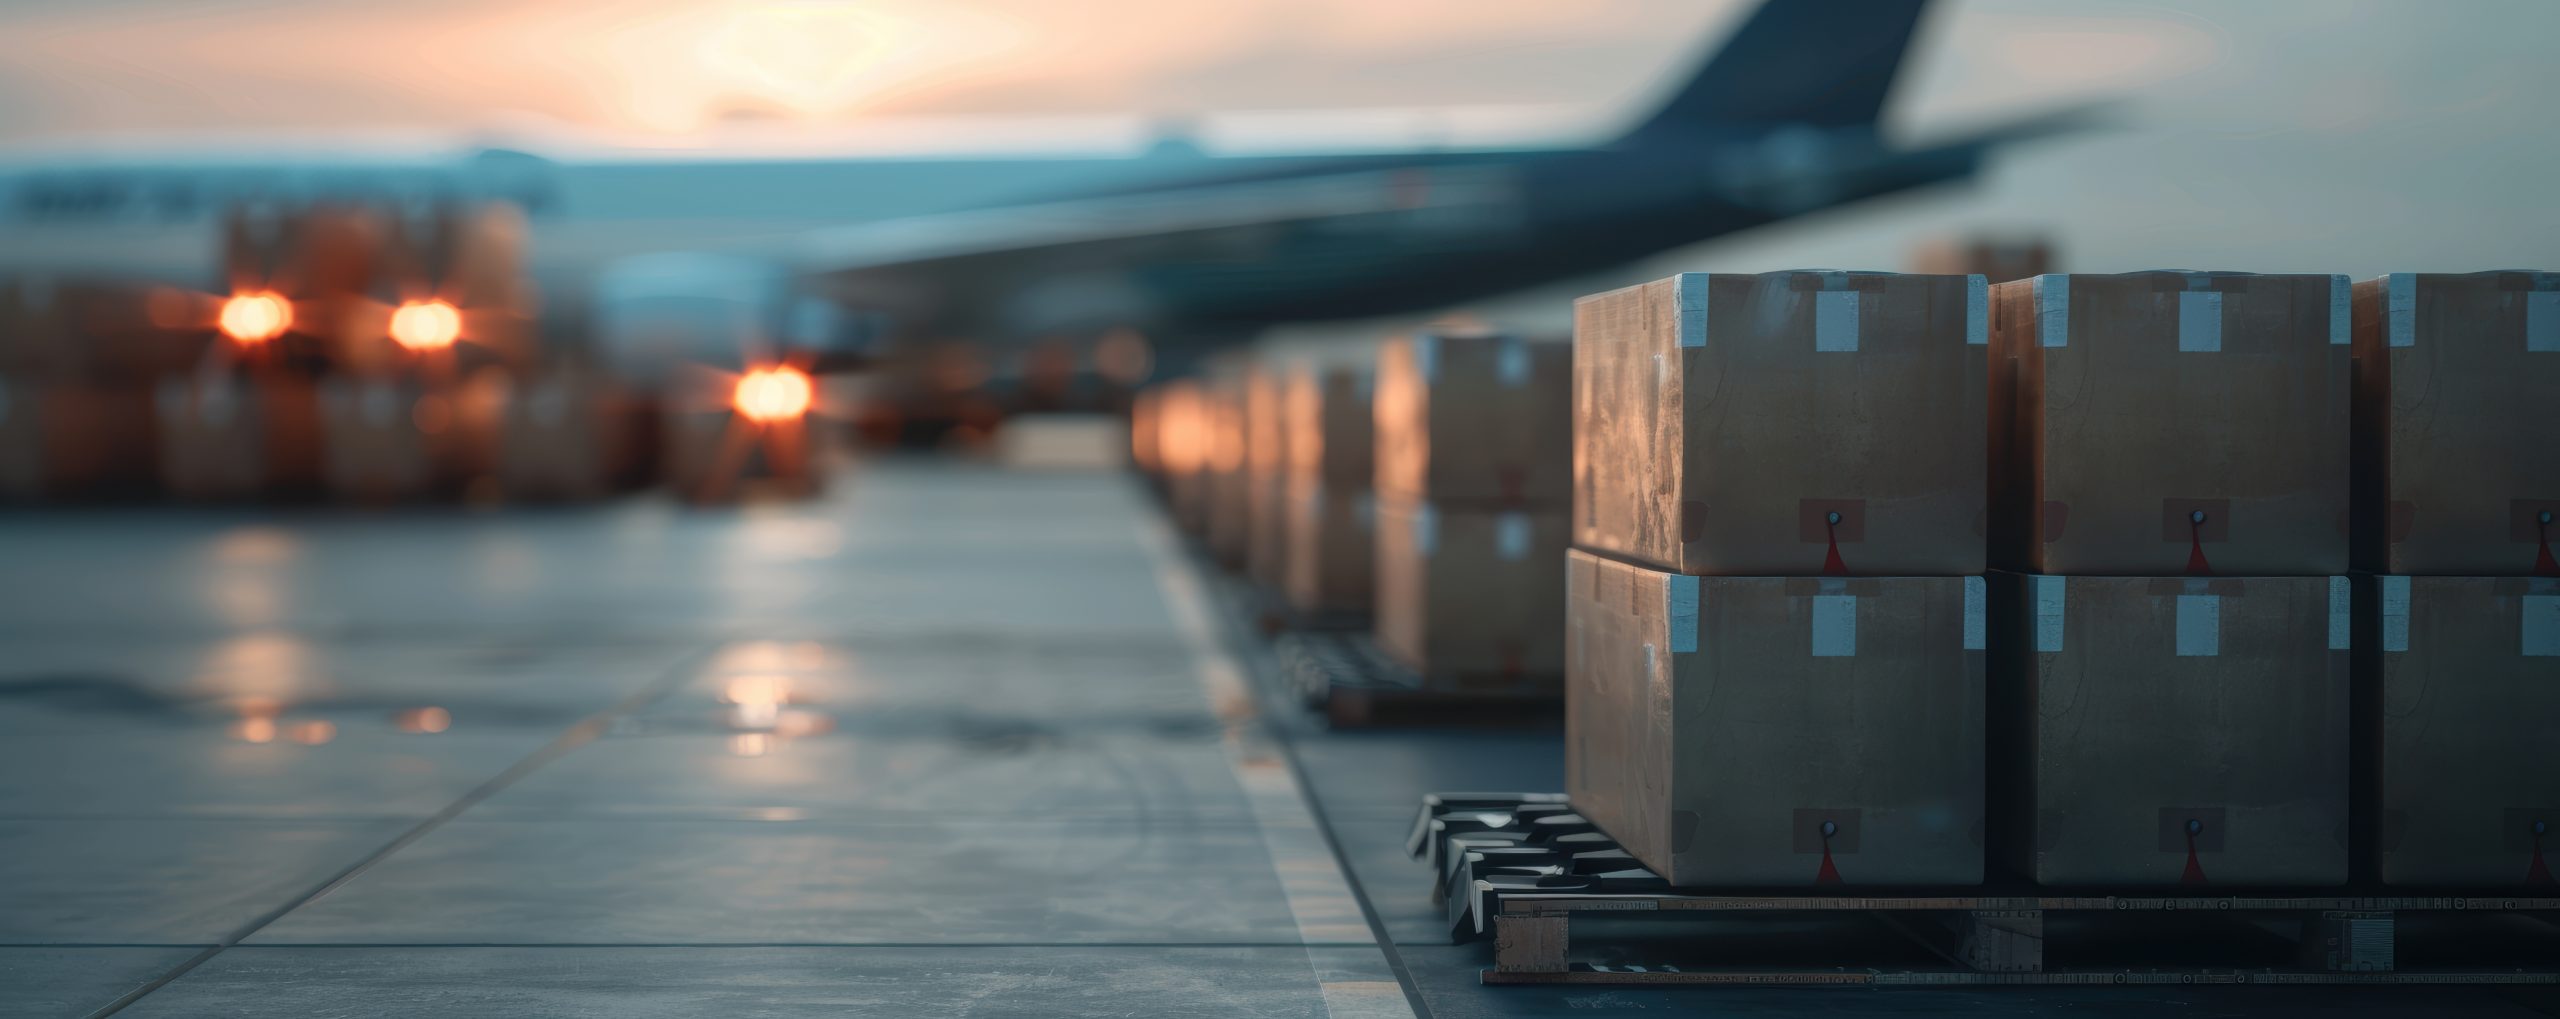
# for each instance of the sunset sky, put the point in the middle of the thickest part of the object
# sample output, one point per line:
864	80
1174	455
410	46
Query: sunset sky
2359	135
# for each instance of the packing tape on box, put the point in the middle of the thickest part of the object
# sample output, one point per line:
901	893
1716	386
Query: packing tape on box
2341	598
2538	633
2400	308
2395	613
2053	310
2199	631
2049	606
1511	537
2342	315
1835	626
2542	322
1973	614
1680	606
1835	321
1977	311
1689	290
2200	322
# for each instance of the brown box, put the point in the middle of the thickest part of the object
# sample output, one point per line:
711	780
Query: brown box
570	435
1266	477
387	440
1789	423
1331	423
1998	259
2457	423
1472	599
88	331
1475	419
1715	725
2465	705
1332	546
1230	497
2166	731
2168	423
234	438
74	441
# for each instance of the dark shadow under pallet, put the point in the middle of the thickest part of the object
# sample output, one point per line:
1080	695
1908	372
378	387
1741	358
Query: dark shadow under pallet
1347	679
1564	904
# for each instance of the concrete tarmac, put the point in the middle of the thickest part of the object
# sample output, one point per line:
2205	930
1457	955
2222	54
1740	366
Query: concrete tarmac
948	741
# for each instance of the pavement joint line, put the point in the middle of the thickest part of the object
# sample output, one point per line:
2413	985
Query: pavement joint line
578	734
1294	831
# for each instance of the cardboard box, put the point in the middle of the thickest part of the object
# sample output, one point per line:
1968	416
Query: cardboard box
88	331
2457	422
235	438
2170	423
1472	599
74	440
1997	259
1330	418
397	440
1331	547
1475	420
1230	496
2171	731
571	435
1784	424
2463	708
1715	725
1266	477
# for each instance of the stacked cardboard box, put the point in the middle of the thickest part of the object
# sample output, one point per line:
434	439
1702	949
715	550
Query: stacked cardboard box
1330	541
2169	478
1266	464
1230	499
1776	633
2457	482
1473	442
570	433
77	364
228	436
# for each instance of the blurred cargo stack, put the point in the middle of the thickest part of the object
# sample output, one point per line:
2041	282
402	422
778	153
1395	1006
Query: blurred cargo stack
733	435
422	355
1775	640
78	362
1182	444
2457	485
1329	543
1266	463
2169	508
570	433
1229	515
1473	445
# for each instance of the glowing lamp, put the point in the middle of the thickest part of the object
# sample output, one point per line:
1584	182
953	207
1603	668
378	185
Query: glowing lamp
426	325
767	395
254	318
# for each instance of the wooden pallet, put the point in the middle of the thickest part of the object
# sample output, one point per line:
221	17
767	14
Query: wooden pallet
1525	870
1347	679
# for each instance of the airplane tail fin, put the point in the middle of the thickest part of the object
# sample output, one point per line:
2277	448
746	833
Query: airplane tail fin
1820	63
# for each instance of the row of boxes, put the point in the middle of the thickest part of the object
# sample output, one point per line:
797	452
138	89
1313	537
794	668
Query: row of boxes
2133	731
2157	689
2142	424
559	435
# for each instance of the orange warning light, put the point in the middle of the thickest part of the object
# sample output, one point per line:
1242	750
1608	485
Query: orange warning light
426	325
767	395
254	318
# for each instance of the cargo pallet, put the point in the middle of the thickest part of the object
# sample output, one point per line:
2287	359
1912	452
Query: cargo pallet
1347	679
1526	870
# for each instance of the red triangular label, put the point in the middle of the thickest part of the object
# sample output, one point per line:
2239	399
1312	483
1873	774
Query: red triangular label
2539	873
2194	874
2196	564
1830	875
2543	564
1832	566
